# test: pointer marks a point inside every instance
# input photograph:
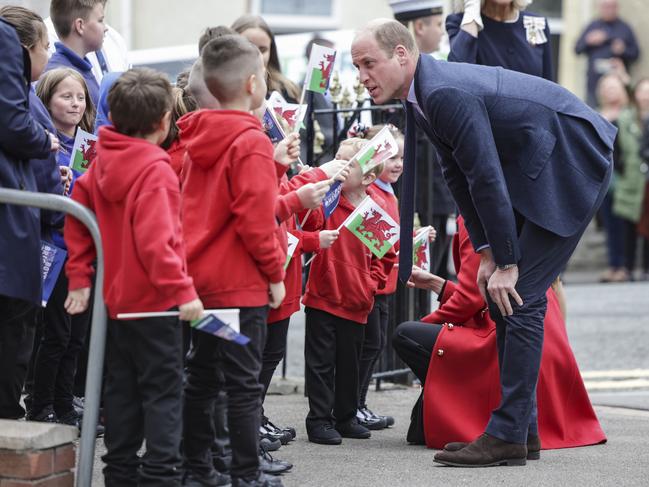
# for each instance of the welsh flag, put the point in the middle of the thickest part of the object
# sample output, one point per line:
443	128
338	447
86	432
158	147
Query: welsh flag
83	151
382	147
291	114
318	72
373	226
292	245
421	249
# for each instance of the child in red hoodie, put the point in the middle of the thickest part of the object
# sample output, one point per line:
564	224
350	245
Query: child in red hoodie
229	188
339	296
134	193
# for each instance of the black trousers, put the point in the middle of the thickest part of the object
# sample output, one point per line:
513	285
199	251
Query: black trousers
414	341
240	367
273	352
143	402
373	344
62	339
17	327
332	352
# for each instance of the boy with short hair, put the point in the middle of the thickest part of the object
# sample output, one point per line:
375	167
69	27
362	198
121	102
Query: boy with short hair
81	29
229	197
134	193
339	297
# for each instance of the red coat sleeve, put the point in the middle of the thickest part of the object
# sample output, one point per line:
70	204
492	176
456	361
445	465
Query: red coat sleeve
81	248
157	213
310	241
312	176
288	205
254	184
461	302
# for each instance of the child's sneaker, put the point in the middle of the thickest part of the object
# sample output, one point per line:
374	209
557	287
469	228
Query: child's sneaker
262	480
45	415
370	422
287	433
389	420
351	429
217	479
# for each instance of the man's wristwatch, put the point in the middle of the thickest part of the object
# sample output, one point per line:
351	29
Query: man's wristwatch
505	267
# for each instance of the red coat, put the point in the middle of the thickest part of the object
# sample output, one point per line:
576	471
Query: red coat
138	212
229	198
463	385
344	278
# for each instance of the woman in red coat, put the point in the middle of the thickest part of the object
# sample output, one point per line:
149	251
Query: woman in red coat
453	353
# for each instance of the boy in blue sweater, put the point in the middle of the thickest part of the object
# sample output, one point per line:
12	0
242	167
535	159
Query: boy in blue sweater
80	27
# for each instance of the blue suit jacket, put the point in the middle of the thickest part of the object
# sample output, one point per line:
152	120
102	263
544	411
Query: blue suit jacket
509	141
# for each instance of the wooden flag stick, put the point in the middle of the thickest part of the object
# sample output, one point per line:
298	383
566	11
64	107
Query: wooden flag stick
163	314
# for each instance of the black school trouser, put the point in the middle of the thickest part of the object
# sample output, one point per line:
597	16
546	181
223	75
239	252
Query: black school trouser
273	352
240	366
143	402
373	344
17	327
332	350
62	339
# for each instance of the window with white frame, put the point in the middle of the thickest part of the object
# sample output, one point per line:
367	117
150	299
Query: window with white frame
299	15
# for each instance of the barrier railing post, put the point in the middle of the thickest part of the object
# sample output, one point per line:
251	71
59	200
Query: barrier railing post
98	324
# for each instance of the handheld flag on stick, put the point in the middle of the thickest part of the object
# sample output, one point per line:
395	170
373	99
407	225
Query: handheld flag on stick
83	151
421	249
381	147
272	127
373	226
292	114
223	329
229	316
319	69
52	259
292	245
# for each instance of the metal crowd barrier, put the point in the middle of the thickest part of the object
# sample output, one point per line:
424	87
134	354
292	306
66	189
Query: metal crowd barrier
98	325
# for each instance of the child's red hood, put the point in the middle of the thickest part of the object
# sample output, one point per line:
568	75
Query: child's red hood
197	132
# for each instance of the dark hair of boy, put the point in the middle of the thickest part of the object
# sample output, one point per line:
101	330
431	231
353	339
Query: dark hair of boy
213	33
228	62
65	12
138	101
29	25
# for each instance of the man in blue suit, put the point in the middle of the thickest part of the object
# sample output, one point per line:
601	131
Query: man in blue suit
528	165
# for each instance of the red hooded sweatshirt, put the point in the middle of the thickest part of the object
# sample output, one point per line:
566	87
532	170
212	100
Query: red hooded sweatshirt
134	193
343	278
229	193
308	242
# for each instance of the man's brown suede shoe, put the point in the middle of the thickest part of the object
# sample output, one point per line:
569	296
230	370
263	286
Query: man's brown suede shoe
486	451
533	447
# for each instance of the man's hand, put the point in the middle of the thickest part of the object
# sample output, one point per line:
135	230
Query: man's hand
66	178
55	145
338	168
502	284
312	194
288	149
327	238
191	311
277	293
618	47
77	301
486	269
596	37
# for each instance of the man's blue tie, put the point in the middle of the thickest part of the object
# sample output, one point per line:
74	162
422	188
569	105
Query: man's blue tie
407	209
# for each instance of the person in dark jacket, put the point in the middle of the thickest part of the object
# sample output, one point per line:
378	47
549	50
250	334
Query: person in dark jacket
608	42
23	43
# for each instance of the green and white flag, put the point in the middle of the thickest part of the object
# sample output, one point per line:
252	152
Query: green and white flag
318	72
382	147
373	226
421	249
83	151
292	245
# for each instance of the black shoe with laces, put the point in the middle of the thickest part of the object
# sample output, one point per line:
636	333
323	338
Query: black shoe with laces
324	434
45	415
217	479
271	466
389	420
351	429
284	434
263	480
371	423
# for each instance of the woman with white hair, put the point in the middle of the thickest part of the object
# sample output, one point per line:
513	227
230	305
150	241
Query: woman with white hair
500	33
